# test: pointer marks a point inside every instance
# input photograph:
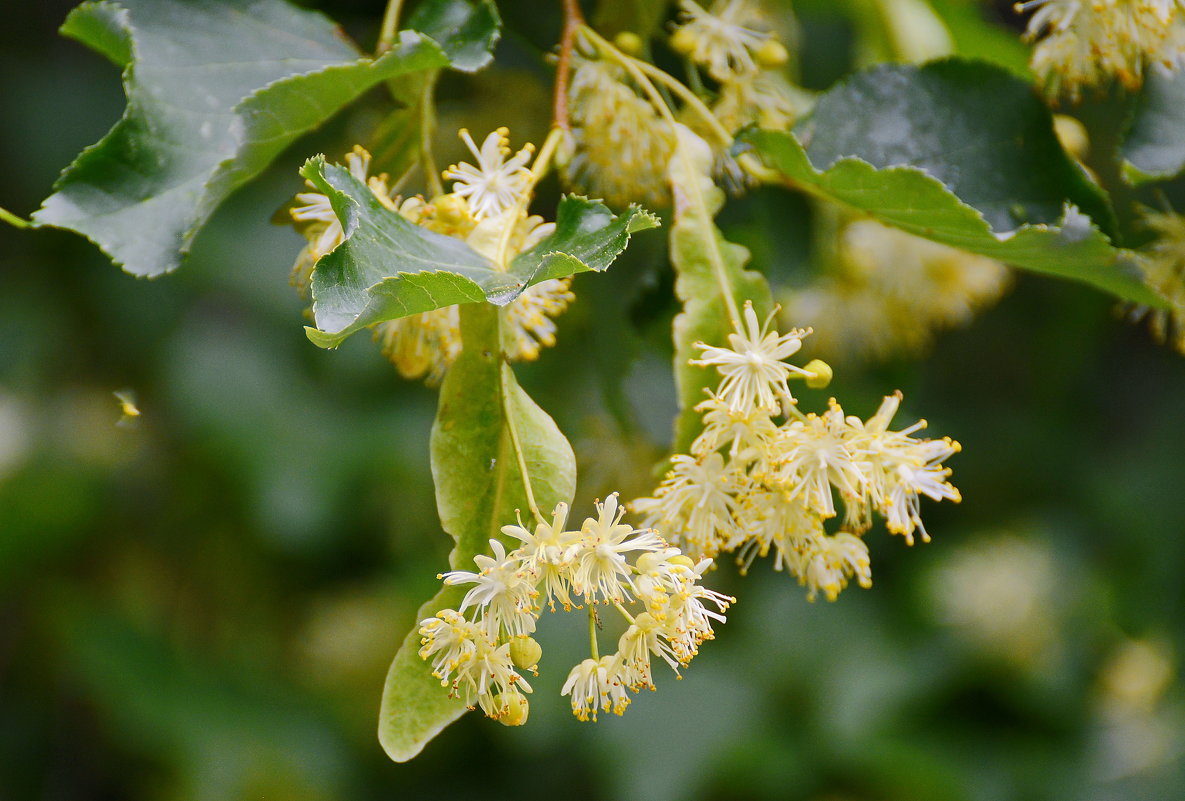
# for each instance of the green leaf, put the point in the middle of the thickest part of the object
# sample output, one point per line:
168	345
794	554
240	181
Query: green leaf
918	148
587	237
388	267
1154	147
488	434
215	91
466	30
710	280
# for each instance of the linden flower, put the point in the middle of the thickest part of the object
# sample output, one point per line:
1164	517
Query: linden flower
501	591
495	184
596	684
890	291
899	469
1082	43
831	560
622	145
754	373
599	564
722	38
529	316
547	554
693	505
1164	268
483	668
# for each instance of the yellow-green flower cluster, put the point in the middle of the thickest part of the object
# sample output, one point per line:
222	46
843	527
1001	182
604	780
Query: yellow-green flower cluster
763	476
888	292
1163	260
478	650
1086	42
621	144
486	210
732	42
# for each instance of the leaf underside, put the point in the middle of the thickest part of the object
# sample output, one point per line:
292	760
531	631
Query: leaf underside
479	488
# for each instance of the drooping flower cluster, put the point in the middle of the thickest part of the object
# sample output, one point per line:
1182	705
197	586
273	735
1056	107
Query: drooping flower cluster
478	650
621	144
1082	43
486	201
887	292
1163	260
754	485
732	41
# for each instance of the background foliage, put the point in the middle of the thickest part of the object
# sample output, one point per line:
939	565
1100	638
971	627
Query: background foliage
204	605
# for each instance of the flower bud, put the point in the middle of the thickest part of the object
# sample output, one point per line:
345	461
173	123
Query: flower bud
772	53
514	708
682	559
820	374
628	42
450	209
683	41
525	652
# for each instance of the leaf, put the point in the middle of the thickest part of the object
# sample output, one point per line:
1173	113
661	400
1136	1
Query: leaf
478	472
918	149
215	91
388	267
466	30
1154	147
710	279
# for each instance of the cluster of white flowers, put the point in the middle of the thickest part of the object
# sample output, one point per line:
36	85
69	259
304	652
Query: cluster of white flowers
1163	260
486	200
731	40
478	650
621	144
888	292
752	484
1085	42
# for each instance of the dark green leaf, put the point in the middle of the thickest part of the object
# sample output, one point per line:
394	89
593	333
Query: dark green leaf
963	154
1154	148
389	268
587	237
215	91
487	431
466	30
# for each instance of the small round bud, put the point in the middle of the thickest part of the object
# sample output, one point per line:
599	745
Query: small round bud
525	652
628	42
820	374
772	53
683	41
682	559
514	708
450	209
1072	135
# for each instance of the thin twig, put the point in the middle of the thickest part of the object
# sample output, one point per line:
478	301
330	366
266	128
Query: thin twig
573	21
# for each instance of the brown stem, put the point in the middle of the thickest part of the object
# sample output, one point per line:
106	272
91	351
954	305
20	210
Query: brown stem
573	20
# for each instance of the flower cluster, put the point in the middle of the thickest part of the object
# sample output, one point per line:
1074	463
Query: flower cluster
754	485
486	209
1086	42
731	40
621	144
887	292
1163	260
478	650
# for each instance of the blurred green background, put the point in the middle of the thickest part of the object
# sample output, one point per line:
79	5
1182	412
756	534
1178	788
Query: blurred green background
203	605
